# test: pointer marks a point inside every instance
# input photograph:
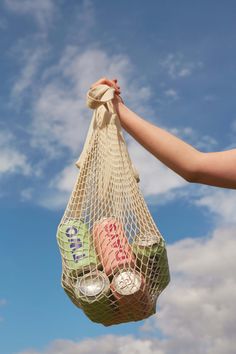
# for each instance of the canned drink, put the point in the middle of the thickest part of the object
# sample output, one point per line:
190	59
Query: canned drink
152	259
112	245
94	294
130	291
76	247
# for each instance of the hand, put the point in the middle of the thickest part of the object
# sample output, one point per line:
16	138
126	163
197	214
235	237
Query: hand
105	81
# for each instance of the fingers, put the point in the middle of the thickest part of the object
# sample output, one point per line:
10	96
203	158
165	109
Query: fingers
113	83
106	81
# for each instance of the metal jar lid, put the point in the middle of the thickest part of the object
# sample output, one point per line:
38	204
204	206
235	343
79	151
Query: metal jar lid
147	240
92	284
127	282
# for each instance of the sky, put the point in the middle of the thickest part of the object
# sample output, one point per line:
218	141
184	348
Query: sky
176	65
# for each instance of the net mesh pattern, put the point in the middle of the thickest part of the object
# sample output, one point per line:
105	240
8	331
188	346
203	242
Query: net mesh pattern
114	260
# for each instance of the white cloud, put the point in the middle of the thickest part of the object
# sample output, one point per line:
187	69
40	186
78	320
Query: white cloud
66	179
60	188
26	194
42	10
185	72
195	314
32	60
220	202
199	302
53	199
12	160
60	115
172	94
177	66
109	344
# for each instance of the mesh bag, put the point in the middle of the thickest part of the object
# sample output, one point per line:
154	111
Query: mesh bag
114	261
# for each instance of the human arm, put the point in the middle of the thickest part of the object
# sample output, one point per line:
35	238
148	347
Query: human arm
214	168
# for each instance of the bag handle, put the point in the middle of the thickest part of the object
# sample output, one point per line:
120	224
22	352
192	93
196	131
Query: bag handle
98	98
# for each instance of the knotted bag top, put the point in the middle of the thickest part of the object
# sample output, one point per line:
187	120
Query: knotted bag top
99	98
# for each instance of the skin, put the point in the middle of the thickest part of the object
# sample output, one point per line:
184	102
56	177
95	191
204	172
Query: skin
214	168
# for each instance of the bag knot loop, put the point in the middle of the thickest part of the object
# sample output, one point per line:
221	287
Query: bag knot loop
99	95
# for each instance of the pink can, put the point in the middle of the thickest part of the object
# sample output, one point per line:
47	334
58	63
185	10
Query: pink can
112	246
131	293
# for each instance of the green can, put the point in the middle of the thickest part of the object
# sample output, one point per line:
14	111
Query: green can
151	259
76	247
94	294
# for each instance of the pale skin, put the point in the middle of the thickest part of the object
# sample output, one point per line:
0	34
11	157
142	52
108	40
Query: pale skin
210	168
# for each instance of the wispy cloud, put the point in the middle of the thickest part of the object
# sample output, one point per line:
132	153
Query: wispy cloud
60	115
59	188
26	194
177	66
12	160
172	94
32	58
220	202
42	10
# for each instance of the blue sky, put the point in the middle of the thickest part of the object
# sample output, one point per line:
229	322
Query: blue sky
176	64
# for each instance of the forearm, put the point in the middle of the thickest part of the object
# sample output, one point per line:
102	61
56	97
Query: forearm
172	151
218	169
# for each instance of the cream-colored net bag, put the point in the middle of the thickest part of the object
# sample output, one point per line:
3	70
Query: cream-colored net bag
114	261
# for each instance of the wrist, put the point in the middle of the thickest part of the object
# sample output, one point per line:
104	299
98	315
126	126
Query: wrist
120	108
118	103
